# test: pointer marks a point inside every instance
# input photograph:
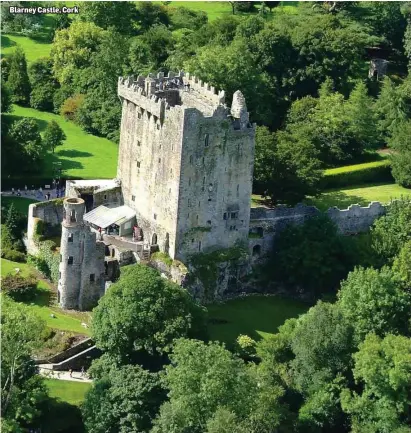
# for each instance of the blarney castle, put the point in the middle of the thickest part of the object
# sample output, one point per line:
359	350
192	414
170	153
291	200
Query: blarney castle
183	189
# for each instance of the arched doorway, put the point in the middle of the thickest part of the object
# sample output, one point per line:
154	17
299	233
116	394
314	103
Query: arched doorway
154	239
256	250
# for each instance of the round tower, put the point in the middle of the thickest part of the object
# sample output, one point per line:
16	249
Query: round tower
71	252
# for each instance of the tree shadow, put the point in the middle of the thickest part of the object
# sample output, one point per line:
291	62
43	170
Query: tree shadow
72	153
42	124
61	417
6	42
335	198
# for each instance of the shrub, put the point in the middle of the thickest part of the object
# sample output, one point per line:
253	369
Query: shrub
71	106
19	288
13	255
379	171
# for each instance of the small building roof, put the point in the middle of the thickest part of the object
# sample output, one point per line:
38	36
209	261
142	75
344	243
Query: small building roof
103	216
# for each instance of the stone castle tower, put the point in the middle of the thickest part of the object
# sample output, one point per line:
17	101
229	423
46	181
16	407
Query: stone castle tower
81	279
185	163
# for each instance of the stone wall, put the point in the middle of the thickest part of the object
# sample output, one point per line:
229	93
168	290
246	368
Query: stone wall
51	212
265	223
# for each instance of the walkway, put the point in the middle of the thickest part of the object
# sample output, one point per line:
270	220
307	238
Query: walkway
45	370
33	195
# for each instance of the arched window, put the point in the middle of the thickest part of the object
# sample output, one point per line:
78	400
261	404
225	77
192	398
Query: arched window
154	239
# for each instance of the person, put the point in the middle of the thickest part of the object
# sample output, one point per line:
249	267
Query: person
82	371
57	194
18	192
12	191
25	189
71	372
48	196
101	236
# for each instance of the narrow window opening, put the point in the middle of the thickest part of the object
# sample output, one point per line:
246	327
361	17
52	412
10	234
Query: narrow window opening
70	260
73	216
92	278
206	140
138	164
225	216
159	160
138	143
191	159
70	237
133	198
189	181
155	216
105	196
199	246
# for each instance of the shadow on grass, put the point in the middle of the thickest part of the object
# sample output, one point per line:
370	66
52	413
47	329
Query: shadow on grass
7	42
62	417
335	198
73	153
42	124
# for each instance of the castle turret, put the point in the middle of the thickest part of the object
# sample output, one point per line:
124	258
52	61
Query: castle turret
239	109
81	279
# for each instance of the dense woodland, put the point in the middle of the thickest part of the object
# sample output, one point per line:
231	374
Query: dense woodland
345	365
304	76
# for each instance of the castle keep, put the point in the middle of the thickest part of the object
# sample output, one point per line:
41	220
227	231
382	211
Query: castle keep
185	163
183	187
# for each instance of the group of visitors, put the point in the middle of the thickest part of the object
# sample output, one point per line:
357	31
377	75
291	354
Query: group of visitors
60	192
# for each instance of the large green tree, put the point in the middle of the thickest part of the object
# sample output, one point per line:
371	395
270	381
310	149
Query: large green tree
53	136
375	301
400	142
18	79
143	311
23	392
43	84
383	373
123	401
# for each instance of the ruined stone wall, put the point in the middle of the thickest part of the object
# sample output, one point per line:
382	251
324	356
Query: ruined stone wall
215	183
265	224
51	212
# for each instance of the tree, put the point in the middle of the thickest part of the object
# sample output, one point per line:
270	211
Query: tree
5	98
383	373
18	79
21	388
271	4
120	16
53	136
43	84
286	167
72	51
311	257
12	221
151	14
402	264
391	231
374	301
143	311
400	142
26	134
184	18
124	401
202	379
390	107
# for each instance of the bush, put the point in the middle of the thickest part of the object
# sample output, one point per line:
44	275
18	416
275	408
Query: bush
71	106
13	255
379	171
19	288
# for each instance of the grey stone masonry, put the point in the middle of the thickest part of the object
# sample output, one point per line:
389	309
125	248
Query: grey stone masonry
81	279
185	163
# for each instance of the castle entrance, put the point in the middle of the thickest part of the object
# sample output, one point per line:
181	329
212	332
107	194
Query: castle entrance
154	239
88	200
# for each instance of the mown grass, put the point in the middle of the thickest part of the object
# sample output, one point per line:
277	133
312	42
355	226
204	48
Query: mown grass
67	391
342	198
33	49
82	155
256	316
356	167
42	304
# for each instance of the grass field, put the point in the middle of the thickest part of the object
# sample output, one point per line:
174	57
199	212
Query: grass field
68	391
42	304
362	196
356	167
82	155
20	203
256	316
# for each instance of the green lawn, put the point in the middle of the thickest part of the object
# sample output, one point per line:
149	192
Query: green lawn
68	391
215	9
33	49
356	167
20	203
362	196
256	316
82	155
43	303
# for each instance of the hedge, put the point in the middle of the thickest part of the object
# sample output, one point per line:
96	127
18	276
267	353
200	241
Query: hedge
374	172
